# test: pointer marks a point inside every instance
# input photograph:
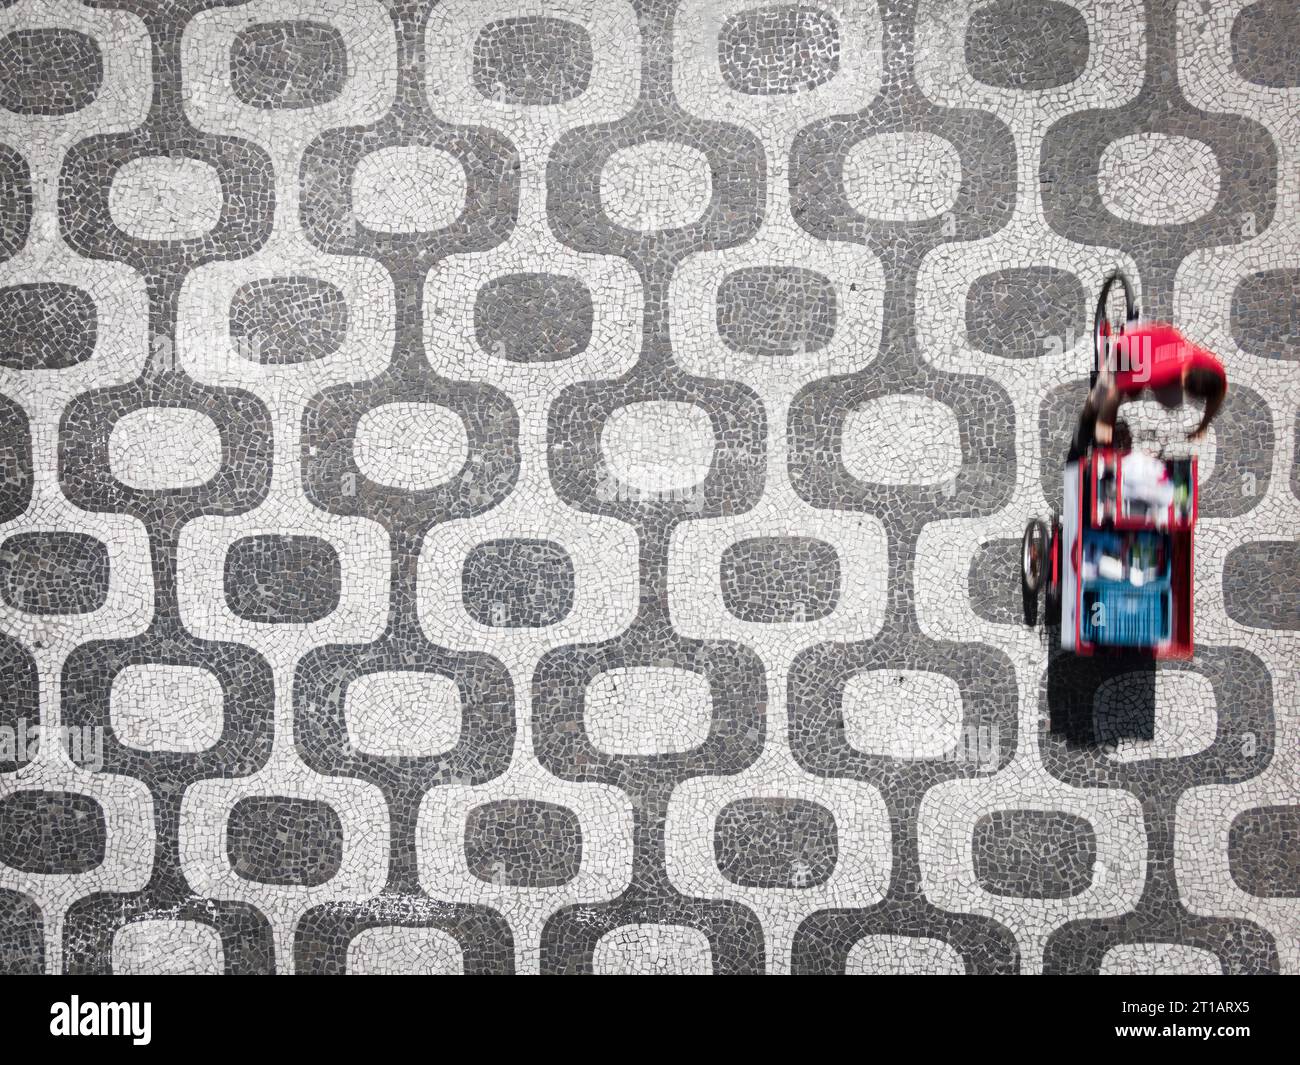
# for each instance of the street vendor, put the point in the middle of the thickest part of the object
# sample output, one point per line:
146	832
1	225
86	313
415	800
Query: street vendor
1155	357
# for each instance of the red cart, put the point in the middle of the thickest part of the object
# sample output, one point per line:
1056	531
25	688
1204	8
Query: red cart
1116	565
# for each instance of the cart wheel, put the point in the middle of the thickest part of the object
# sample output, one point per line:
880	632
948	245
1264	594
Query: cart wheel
1033	556
1055	574
1104	325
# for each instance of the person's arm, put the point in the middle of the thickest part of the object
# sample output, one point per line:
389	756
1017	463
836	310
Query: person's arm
1208	382
1211	409
1107	405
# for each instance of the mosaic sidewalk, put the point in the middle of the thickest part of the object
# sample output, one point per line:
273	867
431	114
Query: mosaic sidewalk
527	486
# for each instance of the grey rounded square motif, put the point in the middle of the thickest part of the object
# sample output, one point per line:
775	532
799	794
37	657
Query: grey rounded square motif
517	583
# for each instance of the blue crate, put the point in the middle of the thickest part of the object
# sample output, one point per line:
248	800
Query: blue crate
1131	617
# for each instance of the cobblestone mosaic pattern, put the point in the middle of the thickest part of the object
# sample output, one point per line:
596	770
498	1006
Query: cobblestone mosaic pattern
536	485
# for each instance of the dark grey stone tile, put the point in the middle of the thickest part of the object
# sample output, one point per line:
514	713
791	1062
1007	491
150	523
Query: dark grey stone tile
285	320
46	326
54	573
22	935
518	583
523	843
52	832
288	64
776	843
774	579
49	71
1034	854
1266	314
533	317
1262	851
1266	43
1026	44
278	840
532	60
779	49
282	579
776	310
1026	312
1261	584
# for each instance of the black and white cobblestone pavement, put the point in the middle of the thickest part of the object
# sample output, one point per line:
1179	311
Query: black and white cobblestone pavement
535	485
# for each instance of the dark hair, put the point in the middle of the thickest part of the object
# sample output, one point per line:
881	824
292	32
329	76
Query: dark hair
1121	436
1208	386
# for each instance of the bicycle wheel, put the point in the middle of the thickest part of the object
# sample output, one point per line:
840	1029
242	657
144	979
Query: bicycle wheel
1033	556
1105	327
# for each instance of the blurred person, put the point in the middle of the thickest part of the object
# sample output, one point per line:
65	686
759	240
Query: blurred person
1155	358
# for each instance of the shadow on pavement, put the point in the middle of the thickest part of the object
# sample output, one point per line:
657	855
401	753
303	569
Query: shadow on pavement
1101	699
